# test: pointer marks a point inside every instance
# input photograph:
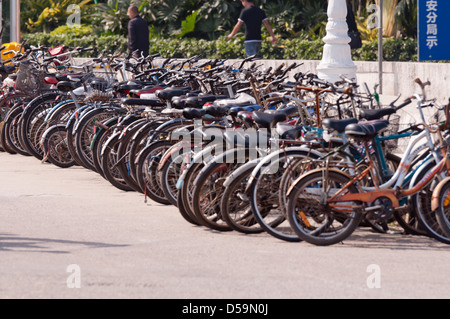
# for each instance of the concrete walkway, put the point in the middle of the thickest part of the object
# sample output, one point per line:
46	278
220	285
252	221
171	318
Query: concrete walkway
67	233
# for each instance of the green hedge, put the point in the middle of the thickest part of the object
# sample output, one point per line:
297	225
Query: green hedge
290	49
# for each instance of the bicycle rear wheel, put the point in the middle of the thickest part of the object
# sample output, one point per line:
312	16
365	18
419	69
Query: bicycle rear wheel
32	123
421	202
443	211
54	144
146	170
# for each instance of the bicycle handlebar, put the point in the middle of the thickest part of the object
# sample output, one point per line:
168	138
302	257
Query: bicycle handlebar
422	86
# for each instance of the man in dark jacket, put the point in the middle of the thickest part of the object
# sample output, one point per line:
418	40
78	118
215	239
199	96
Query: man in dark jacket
138	34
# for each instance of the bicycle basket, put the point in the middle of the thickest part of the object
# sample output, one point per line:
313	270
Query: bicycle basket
98	96
29	79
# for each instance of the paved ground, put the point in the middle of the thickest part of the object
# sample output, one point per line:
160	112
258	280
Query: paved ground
62	228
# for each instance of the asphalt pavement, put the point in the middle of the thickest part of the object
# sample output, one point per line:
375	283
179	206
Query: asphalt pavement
68	233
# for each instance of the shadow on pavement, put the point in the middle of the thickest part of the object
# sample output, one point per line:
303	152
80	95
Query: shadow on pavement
9	242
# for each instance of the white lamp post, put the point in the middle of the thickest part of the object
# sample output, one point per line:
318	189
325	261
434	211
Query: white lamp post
337	56
15	20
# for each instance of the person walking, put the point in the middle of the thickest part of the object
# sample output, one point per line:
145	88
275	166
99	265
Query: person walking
253	18
138	33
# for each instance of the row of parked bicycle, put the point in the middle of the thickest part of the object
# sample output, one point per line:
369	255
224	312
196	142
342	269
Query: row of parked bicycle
232	145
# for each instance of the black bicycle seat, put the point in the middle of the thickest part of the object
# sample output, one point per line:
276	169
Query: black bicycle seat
375	114
217	111
338	125
268	120
234	110
289	131
193	113
7	69
201	99
67	86
146	102
68	76
169	93
366	130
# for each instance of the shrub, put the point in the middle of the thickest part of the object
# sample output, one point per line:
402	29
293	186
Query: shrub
287	49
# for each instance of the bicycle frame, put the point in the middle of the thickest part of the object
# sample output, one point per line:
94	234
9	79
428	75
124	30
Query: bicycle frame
371	194
393	194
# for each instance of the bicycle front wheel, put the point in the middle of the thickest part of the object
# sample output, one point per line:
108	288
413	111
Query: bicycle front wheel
312	217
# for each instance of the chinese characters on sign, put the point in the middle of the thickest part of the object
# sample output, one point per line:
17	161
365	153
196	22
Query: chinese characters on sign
434	43
432	31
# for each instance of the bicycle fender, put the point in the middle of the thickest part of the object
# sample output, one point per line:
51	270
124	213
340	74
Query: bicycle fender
174	150
55	108
241	169
269	159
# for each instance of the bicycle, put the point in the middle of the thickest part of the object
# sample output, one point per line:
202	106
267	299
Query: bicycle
327	204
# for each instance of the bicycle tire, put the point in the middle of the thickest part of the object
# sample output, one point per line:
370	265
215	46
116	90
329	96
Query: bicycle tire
317	225
124	156
12	128
443	210
4	130
170	171
31	123
84	132
235	206
272	218
421	202
109	161
101	136
208	187
147	162
54	144
7	102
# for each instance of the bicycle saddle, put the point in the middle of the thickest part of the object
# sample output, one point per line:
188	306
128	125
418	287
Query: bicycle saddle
147	102
67	86
50	80
366	130
234	110
288	111
268	120
375	114
201	99
338	125
179	102
145	90
169	93
289	131
217	111
8	69
193	113
128	87
65	77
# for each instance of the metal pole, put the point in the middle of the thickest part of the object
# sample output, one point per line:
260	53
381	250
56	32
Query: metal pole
380	46
18	20
15	20
1	21
12	15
